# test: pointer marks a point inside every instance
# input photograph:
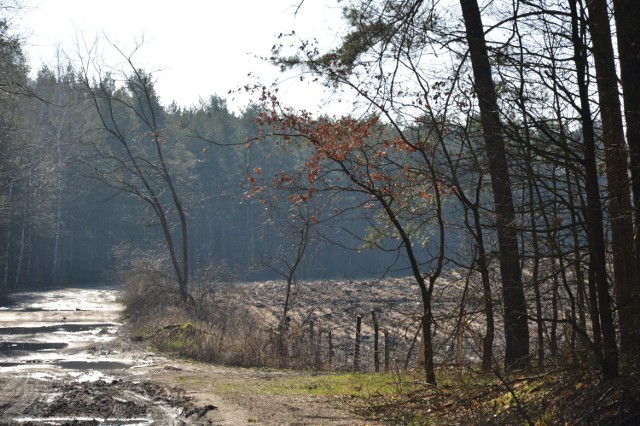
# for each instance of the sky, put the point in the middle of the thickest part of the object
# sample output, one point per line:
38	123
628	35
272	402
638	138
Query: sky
196	48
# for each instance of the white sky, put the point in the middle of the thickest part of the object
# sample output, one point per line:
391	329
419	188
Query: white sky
198	47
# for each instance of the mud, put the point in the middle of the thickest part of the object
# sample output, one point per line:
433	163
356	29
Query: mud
118	402
58	366
29	346
56	328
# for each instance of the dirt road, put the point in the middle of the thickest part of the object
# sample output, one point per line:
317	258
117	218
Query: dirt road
64	360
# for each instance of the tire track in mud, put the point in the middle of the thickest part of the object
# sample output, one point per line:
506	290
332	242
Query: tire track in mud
19	395
56	366
36	402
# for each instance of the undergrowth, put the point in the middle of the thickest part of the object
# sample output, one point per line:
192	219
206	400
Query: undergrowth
218	329
221	330
466	396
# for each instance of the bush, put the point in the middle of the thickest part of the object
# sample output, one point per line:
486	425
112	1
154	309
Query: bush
148	287
222	328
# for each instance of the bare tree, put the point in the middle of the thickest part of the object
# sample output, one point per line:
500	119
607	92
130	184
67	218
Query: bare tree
515	310
133	150
602	315
295	227
617	170
627	16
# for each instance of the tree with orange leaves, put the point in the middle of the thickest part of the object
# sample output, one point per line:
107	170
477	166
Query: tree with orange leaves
393	180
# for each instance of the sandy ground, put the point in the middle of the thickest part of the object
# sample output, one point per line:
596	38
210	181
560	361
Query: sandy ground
65	359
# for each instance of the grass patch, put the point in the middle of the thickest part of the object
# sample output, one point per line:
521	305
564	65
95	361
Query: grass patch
352	385
191	382
530	397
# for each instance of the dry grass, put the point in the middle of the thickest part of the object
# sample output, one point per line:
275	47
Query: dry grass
222	329
559	397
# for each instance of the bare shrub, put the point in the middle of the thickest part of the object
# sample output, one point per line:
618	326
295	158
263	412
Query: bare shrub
148	285
223	328
236	333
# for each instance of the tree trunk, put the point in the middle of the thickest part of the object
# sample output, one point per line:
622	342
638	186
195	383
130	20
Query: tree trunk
599	290
616	168
56	236
16	280
515	314
4	285
487	339
627	17
489	335
427	347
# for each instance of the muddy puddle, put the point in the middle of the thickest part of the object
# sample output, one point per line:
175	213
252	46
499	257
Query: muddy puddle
59	365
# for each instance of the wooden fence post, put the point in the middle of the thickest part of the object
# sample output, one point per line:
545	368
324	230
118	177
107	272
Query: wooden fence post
386	350
356	351
460	338
330	337
318	346
376	348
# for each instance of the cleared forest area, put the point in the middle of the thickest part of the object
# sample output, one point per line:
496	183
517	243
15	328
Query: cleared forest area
474	216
